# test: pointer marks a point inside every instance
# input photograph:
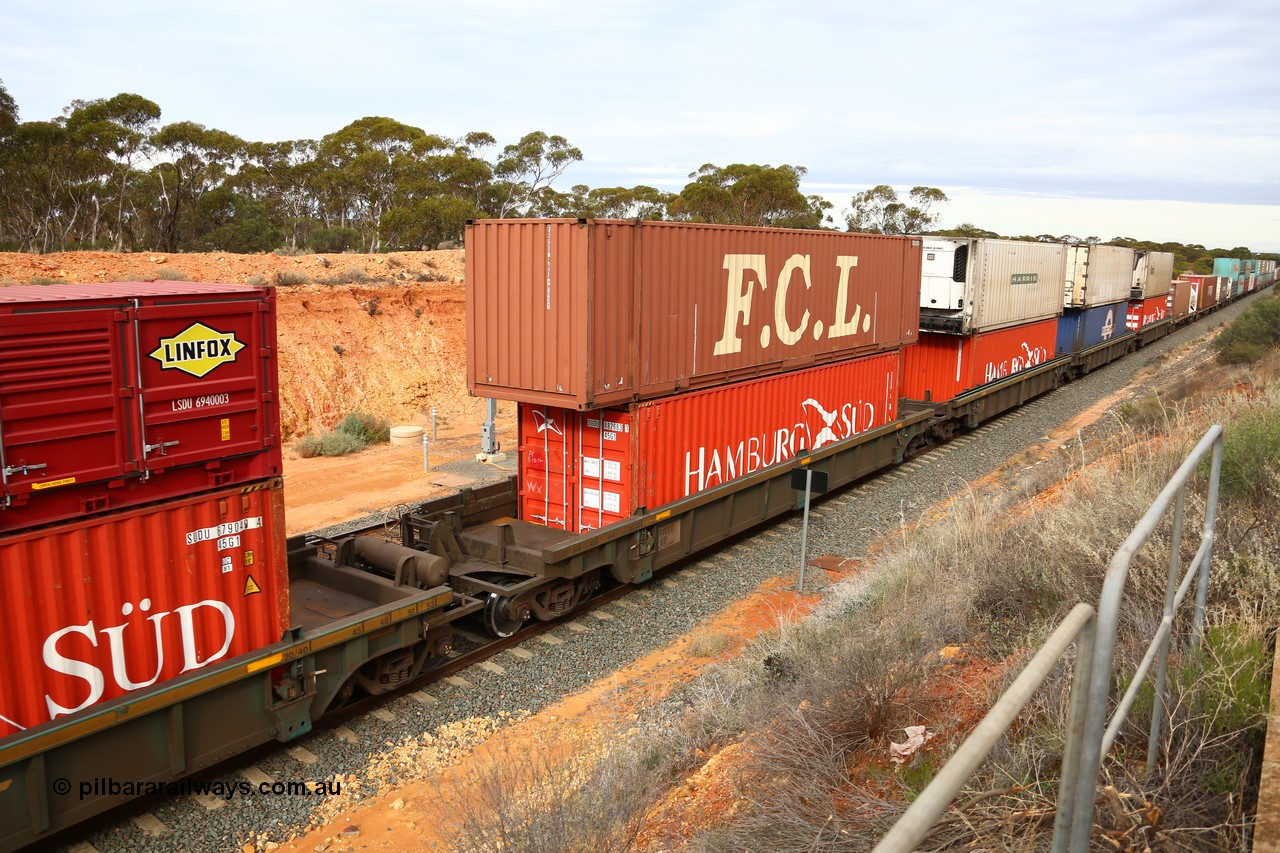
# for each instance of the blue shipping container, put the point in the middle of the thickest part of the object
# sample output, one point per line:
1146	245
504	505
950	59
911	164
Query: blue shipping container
1081	328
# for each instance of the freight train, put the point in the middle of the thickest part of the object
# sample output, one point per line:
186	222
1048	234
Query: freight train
669	377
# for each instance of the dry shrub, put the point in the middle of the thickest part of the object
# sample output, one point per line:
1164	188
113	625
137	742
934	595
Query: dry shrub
558	794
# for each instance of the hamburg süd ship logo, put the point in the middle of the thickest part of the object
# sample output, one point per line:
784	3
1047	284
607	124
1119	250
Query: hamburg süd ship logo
197	350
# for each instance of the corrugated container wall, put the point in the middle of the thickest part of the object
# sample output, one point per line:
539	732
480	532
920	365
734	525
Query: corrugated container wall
1082	328
1230	267
114	395
589	313
1182	298
584	470
941	367
1152	273
1097	275
1147	312
979	285
97	608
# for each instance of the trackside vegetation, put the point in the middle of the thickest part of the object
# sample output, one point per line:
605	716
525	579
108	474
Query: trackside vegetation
353	433
929	635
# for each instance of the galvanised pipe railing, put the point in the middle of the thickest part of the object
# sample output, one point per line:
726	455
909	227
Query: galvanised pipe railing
1087	741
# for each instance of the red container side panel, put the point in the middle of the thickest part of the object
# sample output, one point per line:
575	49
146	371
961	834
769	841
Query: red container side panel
643	456
941	367
98	608
1145	312
118	395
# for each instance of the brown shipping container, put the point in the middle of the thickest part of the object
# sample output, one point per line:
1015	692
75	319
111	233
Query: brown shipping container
589	313
97	608
1182	298
583	470
119	394
941	367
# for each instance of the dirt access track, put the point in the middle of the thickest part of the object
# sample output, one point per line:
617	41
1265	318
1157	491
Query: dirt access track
382	334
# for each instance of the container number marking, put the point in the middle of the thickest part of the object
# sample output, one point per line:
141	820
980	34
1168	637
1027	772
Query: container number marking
188	403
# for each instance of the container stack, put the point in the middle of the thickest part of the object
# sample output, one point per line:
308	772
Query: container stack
653	360
142	520
1149	298
1099	283
989	309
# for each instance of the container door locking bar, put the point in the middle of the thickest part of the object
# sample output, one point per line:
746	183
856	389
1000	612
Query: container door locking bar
147	448
10	470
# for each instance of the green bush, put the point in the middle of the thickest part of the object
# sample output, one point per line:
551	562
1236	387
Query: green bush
366	427
288	277
333	443
1251	458
1252	335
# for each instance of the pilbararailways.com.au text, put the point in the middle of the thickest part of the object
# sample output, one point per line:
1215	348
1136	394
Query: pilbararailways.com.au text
227	789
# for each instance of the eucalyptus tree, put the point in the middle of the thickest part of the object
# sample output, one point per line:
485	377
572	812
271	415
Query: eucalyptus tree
194	160
749	194
880	211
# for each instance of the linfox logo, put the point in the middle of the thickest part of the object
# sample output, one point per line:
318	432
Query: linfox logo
710	466
197	350
117	658
1109	325
747	272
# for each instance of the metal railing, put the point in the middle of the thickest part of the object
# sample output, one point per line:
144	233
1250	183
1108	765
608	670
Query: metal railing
1089	735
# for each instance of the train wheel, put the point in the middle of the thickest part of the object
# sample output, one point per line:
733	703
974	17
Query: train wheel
497	620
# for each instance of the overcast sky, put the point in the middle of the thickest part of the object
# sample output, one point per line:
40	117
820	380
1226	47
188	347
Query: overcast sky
1154	120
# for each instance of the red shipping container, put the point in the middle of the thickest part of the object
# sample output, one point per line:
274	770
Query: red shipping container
98	608
583	470
114	395
1147	311
584	314
941	367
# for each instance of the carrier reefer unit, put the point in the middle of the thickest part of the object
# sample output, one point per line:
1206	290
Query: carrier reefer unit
1152	272
100	607
1097	275
588	313
581	471
114	395
1082	328
941	367
977	285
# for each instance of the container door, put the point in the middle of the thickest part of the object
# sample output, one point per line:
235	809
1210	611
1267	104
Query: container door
548	479
203	369
63	400
605	468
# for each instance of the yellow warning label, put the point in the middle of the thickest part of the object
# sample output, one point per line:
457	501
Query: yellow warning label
53	484
251	587
248	558
226	429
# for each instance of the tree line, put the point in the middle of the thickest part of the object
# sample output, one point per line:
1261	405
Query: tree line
106	174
